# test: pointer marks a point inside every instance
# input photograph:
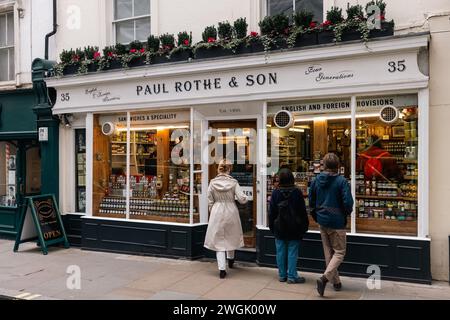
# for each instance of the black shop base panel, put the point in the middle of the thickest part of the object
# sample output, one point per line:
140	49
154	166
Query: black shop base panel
406	260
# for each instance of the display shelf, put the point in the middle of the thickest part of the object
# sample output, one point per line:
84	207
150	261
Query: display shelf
385	198
409	161
410	177
386	226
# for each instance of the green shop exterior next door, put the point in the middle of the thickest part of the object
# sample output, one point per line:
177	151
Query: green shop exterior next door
20	176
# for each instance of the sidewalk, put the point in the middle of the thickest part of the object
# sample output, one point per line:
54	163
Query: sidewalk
33	276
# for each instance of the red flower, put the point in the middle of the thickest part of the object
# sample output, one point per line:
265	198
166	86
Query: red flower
253	34
96	55
186	42
211	39
327	23
110	54
382	18
286	31
76	58
142	50
312	25
133	51
167	47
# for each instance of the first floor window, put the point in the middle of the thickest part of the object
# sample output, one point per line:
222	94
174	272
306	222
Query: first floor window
290	6
386	156
7	70
131	20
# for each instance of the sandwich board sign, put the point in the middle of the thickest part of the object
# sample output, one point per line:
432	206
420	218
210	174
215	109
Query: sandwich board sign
41	220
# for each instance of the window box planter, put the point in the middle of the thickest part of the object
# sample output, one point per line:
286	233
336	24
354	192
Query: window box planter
252	47
71	69
326	36
137	62
351	35
93	67
306	39
115	64
387	29
279	43
214	52
182	55
158	59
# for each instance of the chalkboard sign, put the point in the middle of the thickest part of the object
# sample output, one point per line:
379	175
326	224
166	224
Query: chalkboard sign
41	220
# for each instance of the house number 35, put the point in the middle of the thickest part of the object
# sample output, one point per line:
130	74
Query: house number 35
65	97
397	66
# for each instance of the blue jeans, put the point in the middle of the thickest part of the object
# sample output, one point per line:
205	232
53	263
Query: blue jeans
287	255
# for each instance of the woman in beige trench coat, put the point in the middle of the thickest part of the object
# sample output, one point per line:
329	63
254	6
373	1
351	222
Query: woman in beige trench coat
224	234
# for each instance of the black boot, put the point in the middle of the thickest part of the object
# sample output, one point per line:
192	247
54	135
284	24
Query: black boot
321	284
222	274
230	263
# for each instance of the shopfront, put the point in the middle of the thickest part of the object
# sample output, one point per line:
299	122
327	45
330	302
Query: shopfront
20	158
155	134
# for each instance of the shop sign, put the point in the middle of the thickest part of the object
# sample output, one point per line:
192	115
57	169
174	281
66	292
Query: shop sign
149	118
343	105
41	220
252	83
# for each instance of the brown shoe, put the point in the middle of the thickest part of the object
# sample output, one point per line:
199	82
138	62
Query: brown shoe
222	274
321	284
337	286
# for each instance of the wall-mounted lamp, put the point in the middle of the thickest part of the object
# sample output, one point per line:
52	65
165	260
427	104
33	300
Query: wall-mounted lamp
21	12
66	120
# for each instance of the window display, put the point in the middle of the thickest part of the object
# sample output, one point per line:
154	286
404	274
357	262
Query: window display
386	156
80	158
8	176
155	170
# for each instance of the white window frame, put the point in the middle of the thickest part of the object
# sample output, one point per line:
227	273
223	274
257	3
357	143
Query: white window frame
7	47
266	7
132	18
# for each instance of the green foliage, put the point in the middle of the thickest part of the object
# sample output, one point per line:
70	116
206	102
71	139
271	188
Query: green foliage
303	18
334	15
120	49
209	32
167	41
89	52
240	28
136	45
153	43
266	25
354	12
66	56
280	24
379	3
184	39
225	30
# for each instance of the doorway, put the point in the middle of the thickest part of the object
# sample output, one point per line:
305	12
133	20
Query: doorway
236	141
20	176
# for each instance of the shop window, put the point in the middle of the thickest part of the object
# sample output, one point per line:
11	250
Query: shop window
302	146
33	170
7	70
151	160
386	166
131	20
8	174
290	6
80	167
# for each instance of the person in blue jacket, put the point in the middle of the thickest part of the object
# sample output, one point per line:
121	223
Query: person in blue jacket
331	203
288	221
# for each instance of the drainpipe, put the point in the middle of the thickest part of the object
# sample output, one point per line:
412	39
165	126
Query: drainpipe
55	27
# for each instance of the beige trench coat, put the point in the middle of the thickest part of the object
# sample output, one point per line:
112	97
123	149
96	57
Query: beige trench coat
224	231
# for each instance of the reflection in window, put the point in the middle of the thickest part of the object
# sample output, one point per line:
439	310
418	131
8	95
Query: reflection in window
288	7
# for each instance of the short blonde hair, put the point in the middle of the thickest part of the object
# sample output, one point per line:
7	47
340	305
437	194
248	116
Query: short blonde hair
225	166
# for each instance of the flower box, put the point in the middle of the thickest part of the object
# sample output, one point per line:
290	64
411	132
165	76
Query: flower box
115	64
326	36
279	43
253	46
181	55
351	34
137	62
158	59
93	67
71	69
387	29
213	52
306	39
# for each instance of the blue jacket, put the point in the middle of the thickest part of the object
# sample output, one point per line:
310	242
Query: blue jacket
331	200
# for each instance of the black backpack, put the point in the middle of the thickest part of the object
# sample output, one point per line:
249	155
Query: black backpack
288	222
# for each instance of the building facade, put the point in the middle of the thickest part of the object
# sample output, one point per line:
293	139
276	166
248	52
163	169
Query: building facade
121	189
23	161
